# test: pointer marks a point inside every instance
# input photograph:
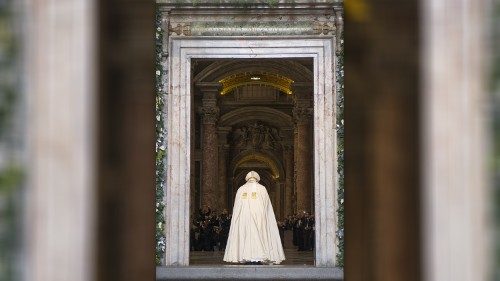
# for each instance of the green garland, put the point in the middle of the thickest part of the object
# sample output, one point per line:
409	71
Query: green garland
340	150
11	168
160	145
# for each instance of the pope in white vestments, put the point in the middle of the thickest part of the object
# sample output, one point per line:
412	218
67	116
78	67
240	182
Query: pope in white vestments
254	235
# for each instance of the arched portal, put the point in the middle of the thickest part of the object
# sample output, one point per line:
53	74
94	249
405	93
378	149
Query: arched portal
242	125
271	173
252	115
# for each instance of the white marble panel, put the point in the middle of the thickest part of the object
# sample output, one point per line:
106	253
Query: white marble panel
59	232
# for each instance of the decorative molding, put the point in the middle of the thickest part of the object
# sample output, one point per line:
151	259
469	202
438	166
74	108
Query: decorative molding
249	4
322	51
269	28
267	114
339	23
220	69
180	29
324	28
210	114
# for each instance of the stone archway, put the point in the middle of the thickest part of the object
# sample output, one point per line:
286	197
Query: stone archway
298	106
220	69
183	51
271	173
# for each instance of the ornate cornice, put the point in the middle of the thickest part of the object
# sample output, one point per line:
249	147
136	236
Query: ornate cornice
269	115
180	29
255	4
270	28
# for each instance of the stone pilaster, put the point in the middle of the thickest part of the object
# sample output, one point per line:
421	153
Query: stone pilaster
288	192
210	114
223	150
302	114
279	193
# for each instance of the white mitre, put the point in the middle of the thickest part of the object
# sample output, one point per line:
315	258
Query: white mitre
252	175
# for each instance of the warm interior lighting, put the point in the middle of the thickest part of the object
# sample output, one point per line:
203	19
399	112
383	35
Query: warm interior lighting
279	82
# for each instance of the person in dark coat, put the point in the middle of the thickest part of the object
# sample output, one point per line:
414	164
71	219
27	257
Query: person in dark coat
295	226
224	224
307	232
300	224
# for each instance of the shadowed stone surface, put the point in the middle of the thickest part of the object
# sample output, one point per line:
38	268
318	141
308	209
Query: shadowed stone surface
249	272
293	257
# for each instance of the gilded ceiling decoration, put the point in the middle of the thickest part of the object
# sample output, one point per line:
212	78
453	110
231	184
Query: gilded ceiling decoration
279	82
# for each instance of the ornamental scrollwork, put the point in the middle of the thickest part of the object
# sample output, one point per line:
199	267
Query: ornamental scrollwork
325	28
180	29
210	114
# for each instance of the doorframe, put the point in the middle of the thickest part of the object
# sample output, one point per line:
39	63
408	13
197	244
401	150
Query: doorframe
178	126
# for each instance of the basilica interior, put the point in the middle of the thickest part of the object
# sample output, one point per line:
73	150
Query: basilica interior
252	114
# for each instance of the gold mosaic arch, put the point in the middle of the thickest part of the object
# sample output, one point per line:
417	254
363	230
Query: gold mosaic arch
279	82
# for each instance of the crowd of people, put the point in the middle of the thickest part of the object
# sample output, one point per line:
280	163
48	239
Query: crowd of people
210	230
302	225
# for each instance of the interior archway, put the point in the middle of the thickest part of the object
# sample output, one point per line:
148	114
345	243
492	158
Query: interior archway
253	126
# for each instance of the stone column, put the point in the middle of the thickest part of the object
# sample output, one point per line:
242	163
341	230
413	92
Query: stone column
210	113
302	114
288	193
223	150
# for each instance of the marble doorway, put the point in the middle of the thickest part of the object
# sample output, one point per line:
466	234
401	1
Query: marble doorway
183	51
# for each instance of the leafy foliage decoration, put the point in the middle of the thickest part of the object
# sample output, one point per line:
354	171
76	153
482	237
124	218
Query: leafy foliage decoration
340	150
160	145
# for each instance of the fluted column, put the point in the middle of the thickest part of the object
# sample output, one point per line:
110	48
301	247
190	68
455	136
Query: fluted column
223	150
302	154
210	114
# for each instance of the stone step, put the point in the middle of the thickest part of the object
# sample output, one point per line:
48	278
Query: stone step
249	272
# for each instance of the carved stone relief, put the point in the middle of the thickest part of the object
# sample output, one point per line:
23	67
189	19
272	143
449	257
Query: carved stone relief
256	136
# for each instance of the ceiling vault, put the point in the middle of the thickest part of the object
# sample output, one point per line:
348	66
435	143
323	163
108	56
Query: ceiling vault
277	81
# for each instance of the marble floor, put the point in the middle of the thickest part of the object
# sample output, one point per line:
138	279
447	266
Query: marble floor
293	257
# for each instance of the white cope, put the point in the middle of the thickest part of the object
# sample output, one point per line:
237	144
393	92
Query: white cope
254	235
